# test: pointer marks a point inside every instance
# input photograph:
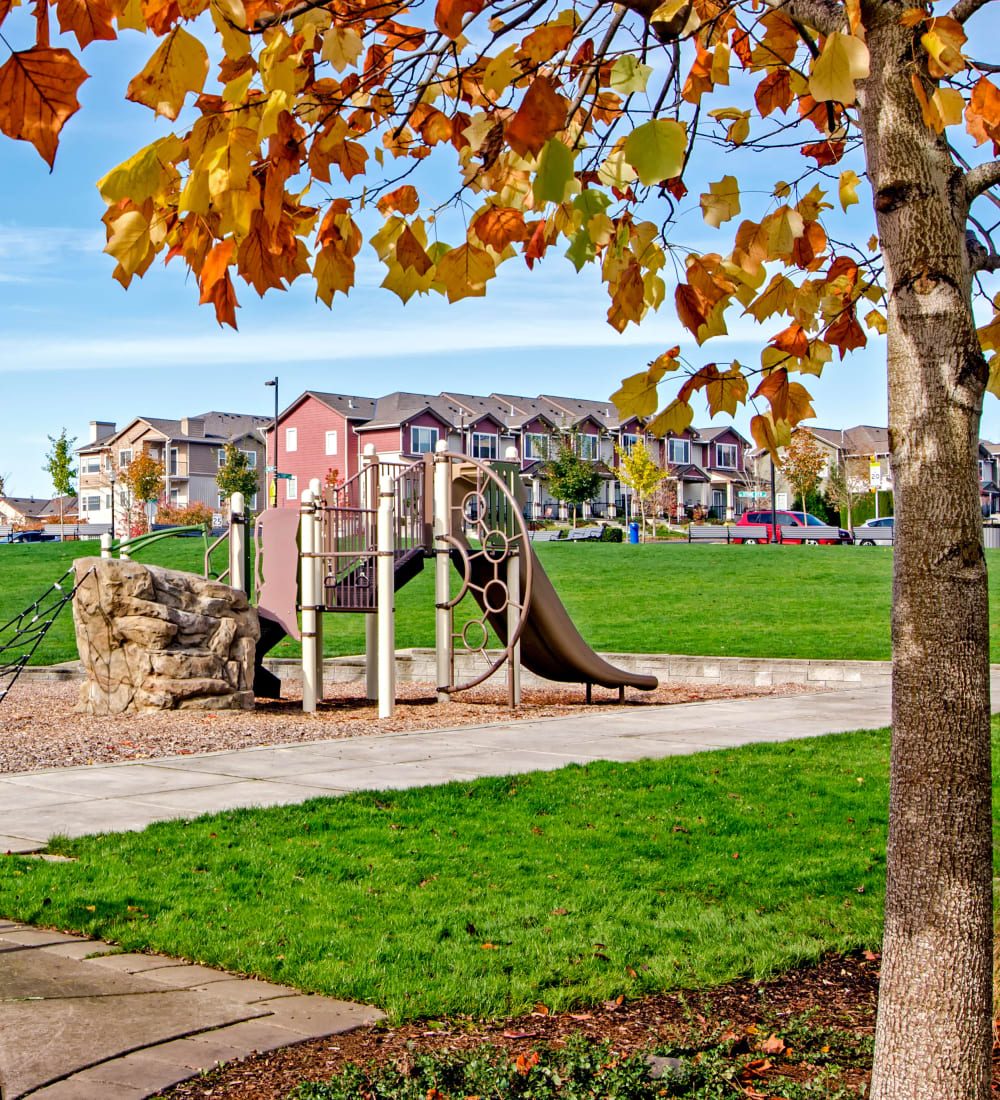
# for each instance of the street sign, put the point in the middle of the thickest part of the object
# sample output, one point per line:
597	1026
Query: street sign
875	476
269	469
286	476
751	494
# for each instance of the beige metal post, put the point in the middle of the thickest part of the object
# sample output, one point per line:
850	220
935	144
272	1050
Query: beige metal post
514	598
106	541
237	542
368	483
316	488
442	567
308	574
386	600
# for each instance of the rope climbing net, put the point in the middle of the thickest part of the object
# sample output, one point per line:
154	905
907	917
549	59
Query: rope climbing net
20	637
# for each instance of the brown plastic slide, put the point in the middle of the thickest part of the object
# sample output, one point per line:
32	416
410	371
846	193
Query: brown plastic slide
551	646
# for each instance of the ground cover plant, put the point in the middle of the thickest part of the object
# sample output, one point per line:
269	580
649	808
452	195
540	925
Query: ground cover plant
566	888
820	602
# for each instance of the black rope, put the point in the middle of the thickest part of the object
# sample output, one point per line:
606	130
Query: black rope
30	627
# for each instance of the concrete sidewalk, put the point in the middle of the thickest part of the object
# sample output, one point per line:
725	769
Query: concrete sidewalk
121	1027
76	801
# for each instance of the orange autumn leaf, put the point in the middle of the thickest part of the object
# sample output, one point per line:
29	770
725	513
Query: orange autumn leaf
627	302
982	115
410	253
774	92
500	226
449	15
541	115
845	333
692	308
404	200
37	95
825	152
216	285
87	19
792	340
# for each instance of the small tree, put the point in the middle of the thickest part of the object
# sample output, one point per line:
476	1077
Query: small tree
143	478
236	475
59	467
641	474
571	478
802	465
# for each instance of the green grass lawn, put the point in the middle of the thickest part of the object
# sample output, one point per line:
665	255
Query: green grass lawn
819	602
564	887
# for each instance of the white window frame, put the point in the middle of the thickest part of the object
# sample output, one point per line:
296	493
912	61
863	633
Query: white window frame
222	457
331	442
536	445
629	441
685	449
93	464
251	459
292	490
291	440
174	497
492	449
107	501
173	462
432	433
123	462
727	447
589	446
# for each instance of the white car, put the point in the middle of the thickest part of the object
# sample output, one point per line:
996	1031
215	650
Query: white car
875	531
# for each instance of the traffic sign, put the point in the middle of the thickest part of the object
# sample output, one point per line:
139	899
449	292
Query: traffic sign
269	469
286	476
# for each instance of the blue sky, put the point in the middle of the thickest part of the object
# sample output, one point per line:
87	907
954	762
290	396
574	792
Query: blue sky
76	347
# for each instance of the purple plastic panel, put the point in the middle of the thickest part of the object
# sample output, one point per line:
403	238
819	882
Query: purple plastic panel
278	590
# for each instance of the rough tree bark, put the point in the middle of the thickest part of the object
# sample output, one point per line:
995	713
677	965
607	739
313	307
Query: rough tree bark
933	1037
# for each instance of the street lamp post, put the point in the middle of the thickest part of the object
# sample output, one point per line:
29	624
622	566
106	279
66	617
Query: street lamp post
274	471
113	480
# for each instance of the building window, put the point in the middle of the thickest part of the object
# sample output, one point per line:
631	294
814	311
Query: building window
331	443
726	456
92	465
588	447
253	503
107	501
423	440
173	461
679	451
484	445
173	498
536	445
124	459
222	457
222	500
293	487
251	459
291	439
629	440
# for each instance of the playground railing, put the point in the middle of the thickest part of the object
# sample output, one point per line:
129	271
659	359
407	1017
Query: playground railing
347	543
127	547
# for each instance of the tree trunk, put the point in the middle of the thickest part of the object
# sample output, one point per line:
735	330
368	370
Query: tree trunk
933	1036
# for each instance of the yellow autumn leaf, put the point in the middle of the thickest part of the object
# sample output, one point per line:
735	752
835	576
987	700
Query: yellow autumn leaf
993	385
875	320
464	271
144	174
342	47
950	104
617	172
722	201
179	66
129	242
843	61
727	391
943	43
637	395
849	181
405	282
676	418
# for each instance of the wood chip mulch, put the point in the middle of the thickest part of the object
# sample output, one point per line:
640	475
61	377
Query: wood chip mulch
40	728
838	993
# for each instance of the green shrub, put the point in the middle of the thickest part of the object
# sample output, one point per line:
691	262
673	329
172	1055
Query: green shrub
611	534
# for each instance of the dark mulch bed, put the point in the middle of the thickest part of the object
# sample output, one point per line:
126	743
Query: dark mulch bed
838	996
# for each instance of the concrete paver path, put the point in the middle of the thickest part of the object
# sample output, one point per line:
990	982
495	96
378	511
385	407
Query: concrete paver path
120	1027
99	798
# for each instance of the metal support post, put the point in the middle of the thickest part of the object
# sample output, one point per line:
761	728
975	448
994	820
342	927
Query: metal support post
316	488
369	501
386	599
442	575
513	616
308	574
237	542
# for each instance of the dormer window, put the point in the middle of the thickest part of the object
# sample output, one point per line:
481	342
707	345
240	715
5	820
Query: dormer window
422	440
726	456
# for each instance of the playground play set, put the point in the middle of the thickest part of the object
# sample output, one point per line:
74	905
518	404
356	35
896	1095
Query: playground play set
349	549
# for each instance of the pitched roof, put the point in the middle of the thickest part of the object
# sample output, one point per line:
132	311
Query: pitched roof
223	425
348	405
397	408
706	435
502	412
604	412
37	507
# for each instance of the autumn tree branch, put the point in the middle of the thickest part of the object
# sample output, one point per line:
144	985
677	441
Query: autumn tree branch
982	178
981	258
965	9
824	15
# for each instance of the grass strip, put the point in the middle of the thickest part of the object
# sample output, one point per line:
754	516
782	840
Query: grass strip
567	887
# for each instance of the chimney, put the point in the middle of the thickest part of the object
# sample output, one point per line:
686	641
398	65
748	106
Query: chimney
193	427
101	428
350	402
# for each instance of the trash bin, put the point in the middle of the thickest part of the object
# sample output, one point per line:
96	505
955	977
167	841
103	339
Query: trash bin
633	532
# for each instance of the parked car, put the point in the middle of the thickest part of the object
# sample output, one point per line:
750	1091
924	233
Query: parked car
31	536
787	519
883	526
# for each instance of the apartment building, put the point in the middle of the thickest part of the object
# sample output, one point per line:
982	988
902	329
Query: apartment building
320	432
191	450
